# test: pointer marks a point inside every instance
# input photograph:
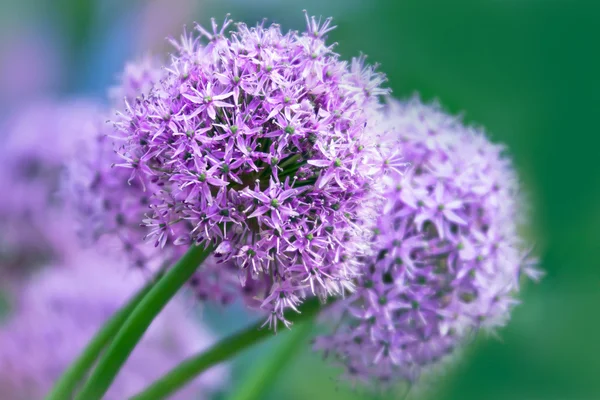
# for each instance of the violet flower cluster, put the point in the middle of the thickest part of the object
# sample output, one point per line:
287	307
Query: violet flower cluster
61	308
448	254
259	142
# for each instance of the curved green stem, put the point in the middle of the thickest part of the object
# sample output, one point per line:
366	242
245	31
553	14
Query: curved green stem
221	351
64	387
138	322
263	375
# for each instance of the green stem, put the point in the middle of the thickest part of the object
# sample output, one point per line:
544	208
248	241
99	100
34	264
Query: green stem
289	160
221	351
138	322
63	389
262	376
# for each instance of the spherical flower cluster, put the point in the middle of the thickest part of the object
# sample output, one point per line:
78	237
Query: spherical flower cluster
260	143
59	311
38	141
448	255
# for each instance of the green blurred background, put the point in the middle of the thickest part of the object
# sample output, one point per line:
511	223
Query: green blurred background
527	70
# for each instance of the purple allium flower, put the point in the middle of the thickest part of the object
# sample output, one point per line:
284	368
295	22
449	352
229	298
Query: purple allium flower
39	141
448	255
59	311
260	142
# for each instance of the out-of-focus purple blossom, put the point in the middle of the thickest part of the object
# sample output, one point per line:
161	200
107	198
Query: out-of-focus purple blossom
260	142
109	205
448	254
60	309
218	281
136	80
40	139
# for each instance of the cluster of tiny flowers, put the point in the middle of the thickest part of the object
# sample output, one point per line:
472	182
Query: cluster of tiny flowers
260	143
38	141
448	257
60	309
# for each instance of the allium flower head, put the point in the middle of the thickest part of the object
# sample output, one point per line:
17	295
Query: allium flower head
448	255
259	141
33	223
59	311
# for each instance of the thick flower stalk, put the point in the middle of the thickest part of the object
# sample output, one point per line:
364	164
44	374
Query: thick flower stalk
448	254
261	143
60	309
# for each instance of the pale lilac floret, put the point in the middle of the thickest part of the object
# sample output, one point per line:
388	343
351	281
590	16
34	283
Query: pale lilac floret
59	310
448	253
262	143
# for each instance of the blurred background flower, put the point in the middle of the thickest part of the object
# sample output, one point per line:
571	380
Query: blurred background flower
526	70
38	141
59	310
448	258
